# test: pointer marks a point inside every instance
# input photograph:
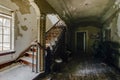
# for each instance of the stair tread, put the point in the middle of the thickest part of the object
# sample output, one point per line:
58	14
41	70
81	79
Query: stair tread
28	59
31	53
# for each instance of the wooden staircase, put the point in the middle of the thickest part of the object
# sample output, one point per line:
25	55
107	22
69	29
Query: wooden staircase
53	34
29	59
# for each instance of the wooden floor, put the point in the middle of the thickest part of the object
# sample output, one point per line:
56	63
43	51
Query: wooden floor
86	69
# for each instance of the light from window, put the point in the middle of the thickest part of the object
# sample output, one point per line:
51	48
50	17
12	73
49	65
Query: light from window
53	18
6	33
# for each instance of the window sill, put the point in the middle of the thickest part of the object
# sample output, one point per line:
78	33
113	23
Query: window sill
3	53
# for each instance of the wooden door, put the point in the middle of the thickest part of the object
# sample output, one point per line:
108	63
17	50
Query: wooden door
81	42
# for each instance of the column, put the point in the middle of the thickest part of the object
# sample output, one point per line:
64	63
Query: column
42	41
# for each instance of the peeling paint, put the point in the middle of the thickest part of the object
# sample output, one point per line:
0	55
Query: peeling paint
24	28
25	19
19	34
24	6
17	30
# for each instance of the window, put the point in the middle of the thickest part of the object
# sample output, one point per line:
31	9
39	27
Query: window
53	18
6	33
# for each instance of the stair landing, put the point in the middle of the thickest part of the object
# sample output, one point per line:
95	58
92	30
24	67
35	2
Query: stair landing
18	72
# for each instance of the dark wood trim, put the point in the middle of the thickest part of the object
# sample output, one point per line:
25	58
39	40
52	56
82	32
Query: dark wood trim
6	64
6	53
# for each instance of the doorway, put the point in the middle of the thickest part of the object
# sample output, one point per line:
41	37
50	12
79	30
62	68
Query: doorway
81	42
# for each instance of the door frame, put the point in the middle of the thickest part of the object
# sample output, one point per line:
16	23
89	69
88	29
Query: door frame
86	40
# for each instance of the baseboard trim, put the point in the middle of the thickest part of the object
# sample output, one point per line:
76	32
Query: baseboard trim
6	64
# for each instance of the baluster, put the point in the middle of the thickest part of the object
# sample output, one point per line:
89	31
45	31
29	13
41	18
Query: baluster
37	59
33	58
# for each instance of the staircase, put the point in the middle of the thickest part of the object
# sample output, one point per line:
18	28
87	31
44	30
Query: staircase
30	57
27	62
53	35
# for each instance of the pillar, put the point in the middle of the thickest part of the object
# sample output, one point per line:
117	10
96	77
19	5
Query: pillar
42	41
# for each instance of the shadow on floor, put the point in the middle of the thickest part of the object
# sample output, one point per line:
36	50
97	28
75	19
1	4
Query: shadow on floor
83	68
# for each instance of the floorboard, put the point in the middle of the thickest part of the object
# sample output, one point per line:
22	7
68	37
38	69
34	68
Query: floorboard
86	69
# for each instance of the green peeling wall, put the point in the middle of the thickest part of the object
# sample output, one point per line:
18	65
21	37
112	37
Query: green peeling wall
112	23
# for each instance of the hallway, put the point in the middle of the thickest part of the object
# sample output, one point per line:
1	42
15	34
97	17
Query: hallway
85	69
39	35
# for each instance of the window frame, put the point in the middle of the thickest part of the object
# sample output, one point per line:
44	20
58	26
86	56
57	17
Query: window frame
11	34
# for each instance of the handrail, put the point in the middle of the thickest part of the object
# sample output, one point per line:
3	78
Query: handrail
37	45
40	46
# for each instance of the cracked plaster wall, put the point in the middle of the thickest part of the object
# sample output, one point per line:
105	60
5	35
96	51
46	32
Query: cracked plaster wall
25	26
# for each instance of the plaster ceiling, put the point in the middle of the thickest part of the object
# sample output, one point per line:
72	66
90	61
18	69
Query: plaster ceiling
81	10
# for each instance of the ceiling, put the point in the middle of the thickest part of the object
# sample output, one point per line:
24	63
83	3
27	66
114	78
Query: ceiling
76	11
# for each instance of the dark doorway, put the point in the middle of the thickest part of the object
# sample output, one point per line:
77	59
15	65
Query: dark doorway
81	42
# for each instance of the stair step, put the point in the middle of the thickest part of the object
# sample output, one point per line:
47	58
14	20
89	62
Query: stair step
28	61
30	54
33	48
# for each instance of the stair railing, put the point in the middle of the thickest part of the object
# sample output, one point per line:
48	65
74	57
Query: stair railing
36	46
34	49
